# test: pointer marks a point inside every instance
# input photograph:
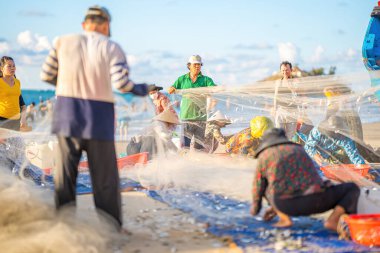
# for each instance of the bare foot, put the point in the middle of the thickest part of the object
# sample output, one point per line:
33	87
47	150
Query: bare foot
332	221
283	223
284	220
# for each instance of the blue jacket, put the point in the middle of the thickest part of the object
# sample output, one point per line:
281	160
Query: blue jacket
317	142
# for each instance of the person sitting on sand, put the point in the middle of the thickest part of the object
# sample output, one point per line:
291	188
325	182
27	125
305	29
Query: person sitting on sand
246	141
328	143
286	176
157	138
213	134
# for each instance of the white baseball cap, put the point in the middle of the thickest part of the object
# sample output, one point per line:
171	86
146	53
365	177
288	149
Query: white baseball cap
195	59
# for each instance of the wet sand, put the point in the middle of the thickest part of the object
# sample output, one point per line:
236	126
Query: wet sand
156	227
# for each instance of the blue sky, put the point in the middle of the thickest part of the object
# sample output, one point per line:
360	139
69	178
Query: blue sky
241	41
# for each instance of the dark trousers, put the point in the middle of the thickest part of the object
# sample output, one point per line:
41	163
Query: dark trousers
345	195
196	129
103	171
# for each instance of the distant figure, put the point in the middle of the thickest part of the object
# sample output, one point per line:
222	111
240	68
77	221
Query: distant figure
157	139
193	106
246	141
161	102
285	175
84	67
347	110
42	108
326	145
285	112
213	134
31	111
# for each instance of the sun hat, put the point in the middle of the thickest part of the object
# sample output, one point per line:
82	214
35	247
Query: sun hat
195	59
272	137
167	116
97	10
218	116
259	125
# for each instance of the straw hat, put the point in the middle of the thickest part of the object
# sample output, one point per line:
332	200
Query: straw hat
167	116
218	116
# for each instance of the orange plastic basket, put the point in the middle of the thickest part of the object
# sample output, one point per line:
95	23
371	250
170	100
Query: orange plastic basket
131	160
365	228
345	172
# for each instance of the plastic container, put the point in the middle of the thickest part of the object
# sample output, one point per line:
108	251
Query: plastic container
124	162
365	228
345	172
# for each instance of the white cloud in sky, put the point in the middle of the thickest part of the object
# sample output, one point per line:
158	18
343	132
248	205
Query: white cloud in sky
34	42
318	55
4	47
288	52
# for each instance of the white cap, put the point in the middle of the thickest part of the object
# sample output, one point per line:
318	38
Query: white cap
218	116
167	116
195	59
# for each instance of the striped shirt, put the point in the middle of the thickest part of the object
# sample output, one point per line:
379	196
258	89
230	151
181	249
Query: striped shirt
84	67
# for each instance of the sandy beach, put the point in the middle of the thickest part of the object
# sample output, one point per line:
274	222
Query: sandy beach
156	227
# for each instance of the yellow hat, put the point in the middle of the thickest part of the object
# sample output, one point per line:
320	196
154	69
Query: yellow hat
259	125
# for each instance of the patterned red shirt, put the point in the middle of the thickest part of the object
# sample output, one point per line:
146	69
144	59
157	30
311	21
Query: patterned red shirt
283	171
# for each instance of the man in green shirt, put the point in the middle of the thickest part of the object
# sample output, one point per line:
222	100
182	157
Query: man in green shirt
193	106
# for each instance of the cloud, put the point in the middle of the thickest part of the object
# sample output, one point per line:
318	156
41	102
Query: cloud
4	47
34	13
288	52
33	42
255	46
318	55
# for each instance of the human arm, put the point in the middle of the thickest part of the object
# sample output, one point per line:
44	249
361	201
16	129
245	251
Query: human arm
218	135
23	111
119	72
352	152
49	71
171	90
209	82
258	188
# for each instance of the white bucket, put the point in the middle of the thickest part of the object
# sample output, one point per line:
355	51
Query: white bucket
369	201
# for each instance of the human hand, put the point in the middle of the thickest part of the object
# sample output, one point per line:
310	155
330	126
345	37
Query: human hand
152	87
171	90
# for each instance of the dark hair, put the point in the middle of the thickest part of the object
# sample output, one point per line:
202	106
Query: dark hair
3	60
286	63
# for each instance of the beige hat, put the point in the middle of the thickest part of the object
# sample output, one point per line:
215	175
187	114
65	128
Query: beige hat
195	59
167	116
97	10
218	116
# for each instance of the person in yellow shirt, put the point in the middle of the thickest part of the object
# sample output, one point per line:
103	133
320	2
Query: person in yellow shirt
10	97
